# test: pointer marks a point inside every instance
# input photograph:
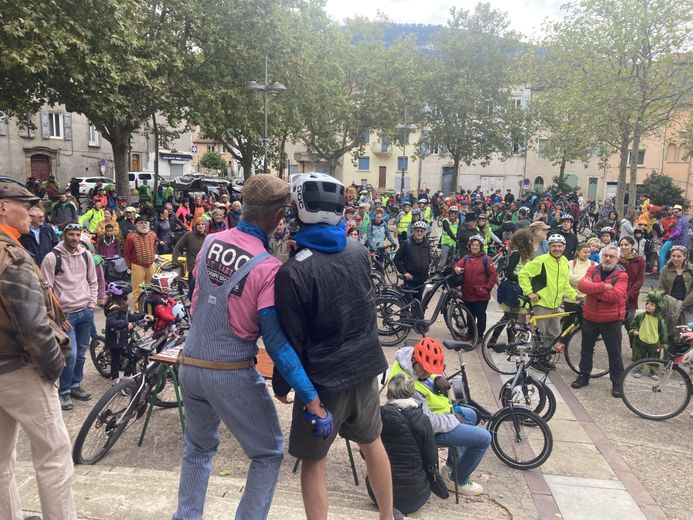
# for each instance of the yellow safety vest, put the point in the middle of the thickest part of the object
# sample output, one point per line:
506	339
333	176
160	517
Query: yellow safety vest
445	238
427	214
404	222
439	404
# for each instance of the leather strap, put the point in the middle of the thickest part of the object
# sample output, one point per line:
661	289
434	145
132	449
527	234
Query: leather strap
215	365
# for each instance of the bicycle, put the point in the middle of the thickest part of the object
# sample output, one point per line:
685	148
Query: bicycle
665	391
526	338
399	311
383	263
520	437
128	400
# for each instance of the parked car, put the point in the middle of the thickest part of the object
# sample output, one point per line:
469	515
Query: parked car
87	183
137	178
196	184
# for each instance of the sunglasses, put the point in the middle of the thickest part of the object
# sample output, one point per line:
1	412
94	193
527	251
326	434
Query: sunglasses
73	227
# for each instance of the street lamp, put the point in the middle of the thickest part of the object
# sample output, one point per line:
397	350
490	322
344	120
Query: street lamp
422	153
266	90
405	137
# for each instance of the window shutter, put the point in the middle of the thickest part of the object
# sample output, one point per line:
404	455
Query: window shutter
67	126
3	124
45	131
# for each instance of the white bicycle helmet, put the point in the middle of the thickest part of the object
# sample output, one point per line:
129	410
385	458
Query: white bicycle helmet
319	198
556	238
453	208
419	224
478	238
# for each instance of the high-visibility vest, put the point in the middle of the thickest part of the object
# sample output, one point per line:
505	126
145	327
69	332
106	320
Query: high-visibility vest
403	225
438	404
445	239
427	214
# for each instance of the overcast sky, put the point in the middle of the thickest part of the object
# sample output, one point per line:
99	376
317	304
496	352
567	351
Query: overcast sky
526	16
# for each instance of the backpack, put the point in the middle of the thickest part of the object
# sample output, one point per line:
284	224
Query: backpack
59	261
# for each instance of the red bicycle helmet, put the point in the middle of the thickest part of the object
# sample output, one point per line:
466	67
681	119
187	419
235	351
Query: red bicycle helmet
429	354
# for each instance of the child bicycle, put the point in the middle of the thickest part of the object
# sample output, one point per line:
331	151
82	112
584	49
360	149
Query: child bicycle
127	400
520	437
526	337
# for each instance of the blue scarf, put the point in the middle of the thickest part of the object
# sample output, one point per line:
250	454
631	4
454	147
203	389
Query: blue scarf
323	237
255	231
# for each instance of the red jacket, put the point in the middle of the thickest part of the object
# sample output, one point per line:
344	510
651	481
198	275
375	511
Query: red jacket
478	280
604	305
635	268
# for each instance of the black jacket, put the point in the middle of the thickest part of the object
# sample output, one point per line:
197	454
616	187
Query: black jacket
327	309
117	319
408	439
571	242
47	241
463	236
414	258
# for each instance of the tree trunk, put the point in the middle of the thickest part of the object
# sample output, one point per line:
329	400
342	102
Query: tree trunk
120	143
455	173
561	170
622	167
156	157
633	169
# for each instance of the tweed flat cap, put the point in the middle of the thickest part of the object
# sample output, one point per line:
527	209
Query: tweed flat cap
14	191
264	188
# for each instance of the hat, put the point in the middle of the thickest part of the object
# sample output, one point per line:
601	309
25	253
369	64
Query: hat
470	215
539	225
130	209
656	298
264	188
678	206
483	216
14	191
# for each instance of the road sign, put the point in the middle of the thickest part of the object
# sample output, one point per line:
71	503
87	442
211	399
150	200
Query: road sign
194	149
102	162
525	182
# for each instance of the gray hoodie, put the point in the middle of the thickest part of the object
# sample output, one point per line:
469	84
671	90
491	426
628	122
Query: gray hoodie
441	423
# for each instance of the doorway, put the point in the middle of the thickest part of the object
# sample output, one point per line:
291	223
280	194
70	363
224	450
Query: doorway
135	162
447	179
382	177
40	167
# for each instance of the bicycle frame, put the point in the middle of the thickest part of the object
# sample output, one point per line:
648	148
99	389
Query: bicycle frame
420	306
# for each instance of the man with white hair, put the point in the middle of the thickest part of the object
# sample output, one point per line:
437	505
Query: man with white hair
603	313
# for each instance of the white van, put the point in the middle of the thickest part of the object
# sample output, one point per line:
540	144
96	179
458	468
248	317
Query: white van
137	178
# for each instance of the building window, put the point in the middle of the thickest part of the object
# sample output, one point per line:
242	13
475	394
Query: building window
93	136
293	168
641	157
210	147
541	147
539	184
402	163
366	137
364	163
672	153
364	182
55	125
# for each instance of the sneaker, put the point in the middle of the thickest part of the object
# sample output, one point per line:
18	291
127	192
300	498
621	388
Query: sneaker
580	382
65	402
471	489
446	473
397	514
654	377
616	392
80	394
637	375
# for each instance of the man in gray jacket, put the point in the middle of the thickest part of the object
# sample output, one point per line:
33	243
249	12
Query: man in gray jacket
30	363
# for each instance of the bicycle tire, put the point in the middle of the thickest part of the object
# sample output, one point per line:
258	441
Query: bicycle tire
377	281
103	417
501	362
600	363
513	425
101	357
460	321
390	308
390	272
165	392
642	394
531	394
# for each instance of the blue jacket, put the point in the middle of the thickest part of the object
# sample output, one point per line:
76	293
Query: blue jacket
376	235
46	242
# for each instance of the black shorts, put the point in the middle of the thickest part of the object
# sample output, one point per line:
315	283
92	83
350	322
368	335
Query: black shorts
356	416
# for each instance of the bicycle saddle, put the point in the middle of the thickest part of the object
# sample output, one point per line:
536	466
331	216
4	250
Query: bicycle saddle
455	345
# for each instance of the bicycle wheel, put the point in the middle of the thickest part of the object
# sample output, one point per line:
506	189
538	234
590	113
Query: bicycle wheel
377	281
165	392
656	399
106	422
389	271
520	438
532	394
390	310
494	346
101	356
573	349
460	321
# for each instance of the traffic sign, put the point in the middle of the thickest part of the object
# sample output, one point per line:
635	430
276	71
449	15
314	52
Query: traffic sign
194	149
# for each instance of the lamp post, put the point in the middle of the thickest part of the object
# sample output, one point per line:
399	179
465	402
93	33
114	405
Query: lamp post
422	153
266	89
406	128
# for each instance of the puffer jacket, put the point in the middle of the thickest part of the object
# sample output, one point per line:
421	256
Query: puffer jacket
604	305
478	280
414	258
635	267
408	439
331	325
547	277
26	334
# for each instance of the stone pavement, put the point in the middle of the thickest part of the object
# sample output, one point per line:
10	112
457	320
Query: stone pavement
606	464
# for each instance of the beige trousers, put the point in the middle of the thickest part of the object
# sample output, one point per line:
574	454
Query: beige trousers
140	275
550	327
28	401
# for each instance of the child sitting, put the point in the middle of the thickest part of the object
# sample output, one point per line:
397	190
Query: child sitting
648	331
118	324
159	302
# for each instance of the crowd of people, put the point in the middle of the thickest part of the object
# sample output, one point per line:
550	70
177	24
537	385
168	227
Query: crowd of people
272	265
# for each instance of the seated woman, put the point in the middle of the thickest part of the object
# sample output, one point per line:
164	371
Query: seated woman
453	425
408	440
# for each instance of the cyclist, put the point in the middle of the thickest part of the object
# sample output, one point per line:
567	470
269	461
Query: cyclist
402	222
567	232
453	425
413	259
485	230
346	377
377	233
466	231
607	235
545	282
448	239
416	216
